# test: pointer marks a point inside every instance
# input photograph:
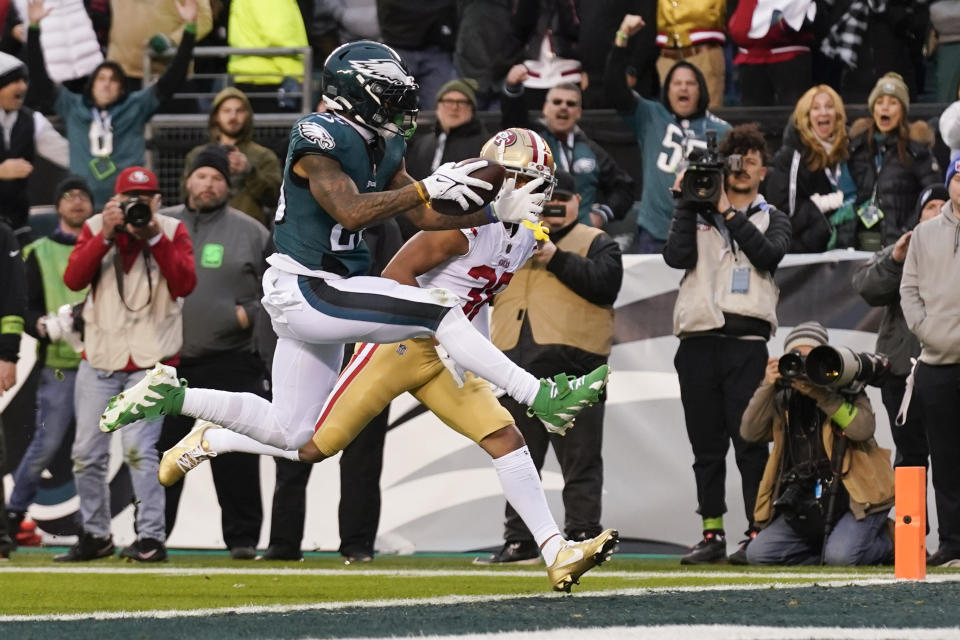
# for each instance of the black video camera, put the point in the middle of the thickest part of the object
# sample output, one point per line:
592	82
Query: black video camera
136	212
704	179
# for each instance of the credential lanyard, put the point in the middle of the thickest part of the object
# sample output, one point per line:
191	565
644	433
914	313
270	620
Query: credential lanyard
101	133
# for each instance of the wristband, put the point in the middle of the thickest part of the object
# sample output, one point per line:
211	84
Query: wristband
420	192
622	35
190	27
844	415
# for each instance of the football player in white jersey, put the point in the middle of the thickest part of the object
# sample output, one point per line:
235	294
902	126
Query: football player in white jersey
344	170
474	264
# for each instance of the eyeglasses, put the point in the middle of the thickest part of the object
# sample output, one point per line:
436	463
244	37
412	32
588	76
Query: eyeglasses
454	103
570	103
75	194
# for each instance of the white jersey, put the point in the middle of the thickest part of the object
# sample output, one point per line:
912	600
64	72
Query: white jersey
496	251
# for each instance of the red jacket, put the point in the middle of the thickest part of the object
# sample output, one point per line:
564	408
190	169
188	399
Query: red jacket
779	44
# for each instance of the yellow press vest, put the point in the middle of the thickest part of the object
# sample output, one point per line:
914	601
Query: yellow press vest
557	314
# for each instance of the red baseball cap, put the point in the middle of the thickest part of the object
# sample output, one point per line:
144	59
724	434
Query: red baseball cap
136	180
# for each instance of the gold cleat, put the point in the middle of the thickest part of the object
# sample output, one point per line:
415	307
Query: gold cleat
576	558
186	454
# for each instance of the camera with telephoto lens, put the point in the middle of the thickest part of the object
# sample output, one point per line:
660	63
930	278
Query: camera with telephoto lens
136	212
704	179
792	365
844	368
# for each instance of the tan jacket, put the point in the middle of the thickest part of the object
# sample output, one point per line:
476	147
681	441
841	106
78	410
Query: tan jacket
704	294
866	471
144	332
557	314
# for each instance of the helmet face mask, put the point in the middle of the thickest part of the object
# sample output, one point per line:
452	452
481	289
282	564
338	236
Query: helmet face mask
525	156
369	81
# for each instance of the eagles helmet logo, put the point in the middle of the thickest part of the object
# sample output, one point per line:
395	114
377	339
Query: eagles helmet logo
382	69
317	135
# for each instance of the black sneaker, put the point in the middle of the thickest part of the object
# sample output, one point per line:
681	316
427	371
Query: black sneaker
145	550
523	552
357	557
740	555
88	547
243	553
945	557
281	552
711	550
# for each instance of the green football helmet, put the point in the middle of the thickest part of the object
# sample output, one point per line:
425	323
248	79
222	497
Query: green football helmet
369	81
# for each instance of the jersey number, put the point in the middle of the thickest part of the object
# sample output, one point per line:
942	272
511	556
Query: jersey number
479	295
678	146
343	240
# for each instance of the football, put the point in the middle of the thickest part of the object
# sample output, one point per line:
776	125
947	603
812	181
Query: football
492	172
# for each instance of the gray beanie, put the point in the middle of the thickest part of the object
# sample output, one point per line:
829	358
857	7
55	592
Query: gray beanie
810	334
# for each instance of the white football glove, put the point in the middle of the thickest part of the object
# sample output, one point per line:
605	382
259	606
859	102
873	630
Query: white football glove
459	375
514	205
450	182
59	326
827	202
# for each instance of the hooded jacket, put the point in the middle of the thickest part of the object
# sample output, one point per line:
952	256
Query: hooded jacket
898	184
928	292
255	191
866	472
664	138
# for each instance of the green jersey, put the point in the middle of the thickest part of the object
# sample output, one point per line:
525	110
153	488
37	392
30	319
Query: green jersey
304	230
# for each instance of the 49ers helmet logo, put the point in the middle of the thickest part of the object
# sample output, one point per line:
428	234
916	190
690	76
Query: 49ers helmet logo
505	138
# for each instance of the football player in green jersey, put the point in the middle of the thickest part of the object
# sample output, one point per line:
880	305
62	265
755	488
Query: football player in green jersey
344	170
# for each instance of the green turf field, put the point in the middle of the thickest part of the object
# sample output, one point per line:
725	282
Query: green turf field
208	595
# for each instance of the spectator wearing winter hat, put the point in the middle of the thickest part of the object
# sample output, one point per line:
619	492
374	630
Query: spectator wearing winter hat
931	305
138	271
878	282
25	134
254	177
105	124
457	135
49	319
218	345
891	162
844	523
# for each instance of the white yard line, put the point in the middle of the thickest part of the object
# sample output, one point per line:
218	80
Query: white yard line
714	632
415	602
434	573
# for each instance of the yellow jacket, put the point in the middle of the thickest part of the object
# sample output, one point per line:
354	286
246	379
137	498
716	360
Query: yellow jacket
252	26
681	23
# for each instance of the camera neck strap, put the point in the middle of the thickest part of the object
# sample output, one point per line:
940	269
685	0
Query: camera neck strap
118	270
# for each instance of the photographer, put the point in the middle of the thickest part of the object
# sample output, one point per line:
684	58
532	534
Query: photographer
724	314
138	265
809	426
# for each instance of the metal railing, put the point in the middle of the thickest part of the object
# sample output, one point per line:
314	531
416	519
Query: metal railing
306	88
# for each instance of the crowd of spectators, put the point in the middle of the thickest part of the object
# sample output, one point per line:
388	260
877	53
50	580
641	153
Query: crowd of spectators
663	66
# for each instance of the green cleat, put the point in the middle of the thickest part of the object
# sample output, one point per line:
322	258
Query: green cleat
158	394
560	400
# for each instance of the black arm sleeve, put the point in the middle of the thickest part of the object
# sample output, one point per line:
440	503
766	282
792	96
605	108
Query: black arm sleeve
615	188
619	95
42	91
680	250
176	73
13	295
764	250
36	302
595	277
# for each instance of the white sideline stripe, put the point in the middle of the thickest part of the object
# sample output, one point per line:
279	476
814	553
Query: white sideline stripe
435	573
414	602
714	632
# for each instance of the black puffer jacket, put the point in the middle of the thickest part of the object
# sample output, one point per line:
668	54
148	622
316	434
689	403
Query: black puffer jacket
898	184
811	229
461	143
